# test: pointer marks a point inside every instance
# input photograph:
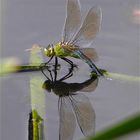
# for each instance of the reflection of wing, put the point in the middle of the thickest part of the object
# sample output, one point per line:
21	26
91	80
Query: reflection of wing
67	119
73	20
84	113
91	87
89	28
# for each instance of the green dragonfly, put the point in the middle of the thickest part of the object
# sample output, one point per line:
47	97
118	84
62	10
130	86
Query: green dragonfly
77	36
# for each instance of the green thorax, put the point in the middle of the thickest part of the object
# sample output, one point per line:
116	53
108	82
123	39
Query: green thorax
63	50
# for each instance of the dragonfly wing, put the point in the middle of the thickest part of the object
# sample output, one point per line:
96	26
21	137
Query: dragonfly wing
73	20
90	53
89	28
84	113
67	119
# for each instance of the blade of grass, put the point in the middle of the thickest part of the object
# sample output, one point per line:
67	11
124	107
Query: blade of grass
128	126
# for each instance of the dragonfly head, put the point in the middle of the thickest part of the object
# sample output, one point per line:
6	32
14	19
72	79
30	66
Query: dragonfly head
47	85
49	51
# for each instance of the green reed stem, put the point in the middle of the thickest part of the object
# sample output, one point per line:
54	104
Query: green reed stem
35	127
122	77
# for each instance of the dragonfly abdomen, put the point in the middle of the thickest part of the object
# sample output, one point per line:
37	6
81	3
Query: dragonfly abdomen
57	89
88	61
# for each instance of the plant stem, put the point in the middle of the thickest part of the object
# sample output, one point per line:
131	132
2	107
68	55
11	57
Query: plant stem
122	77
128	126
35	127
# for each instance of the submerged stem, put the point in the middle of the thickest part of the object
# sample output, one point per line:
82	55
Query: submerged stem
35	126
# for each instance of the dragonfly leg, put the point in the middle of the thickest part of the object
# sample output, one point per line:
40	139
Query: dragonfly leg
50	75
69	74
68	61
55	68
48	60
66	76
42	70
43	65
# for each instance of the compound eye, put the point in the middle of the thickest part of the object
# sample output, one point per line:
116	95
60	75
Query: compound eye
48	50
45	49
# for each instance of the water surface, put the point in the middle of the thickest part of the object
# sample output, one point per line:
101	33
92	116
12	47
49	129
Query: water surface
27	22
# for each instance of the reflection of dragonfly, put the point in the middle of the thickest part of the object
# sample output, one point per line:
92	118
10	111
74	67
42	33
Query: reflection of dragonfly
72	105
73	41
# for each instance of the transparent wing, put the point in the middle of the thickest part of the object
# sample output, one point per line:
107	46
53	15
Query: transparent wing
67	119
84	113
89	28
90	53
73	20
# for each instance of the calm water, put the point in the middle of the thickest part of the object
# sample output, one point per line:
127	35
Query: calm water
26	22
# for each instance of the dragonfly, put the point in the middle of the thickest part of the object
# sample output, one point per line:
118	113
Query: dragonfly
77	36
72	103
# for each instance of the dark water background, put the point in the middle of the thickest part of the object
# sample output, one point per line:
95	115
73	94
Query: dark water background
26	22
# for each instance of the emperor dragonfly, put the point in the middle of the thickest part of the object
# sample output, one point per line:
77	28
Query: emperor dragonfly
76	35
